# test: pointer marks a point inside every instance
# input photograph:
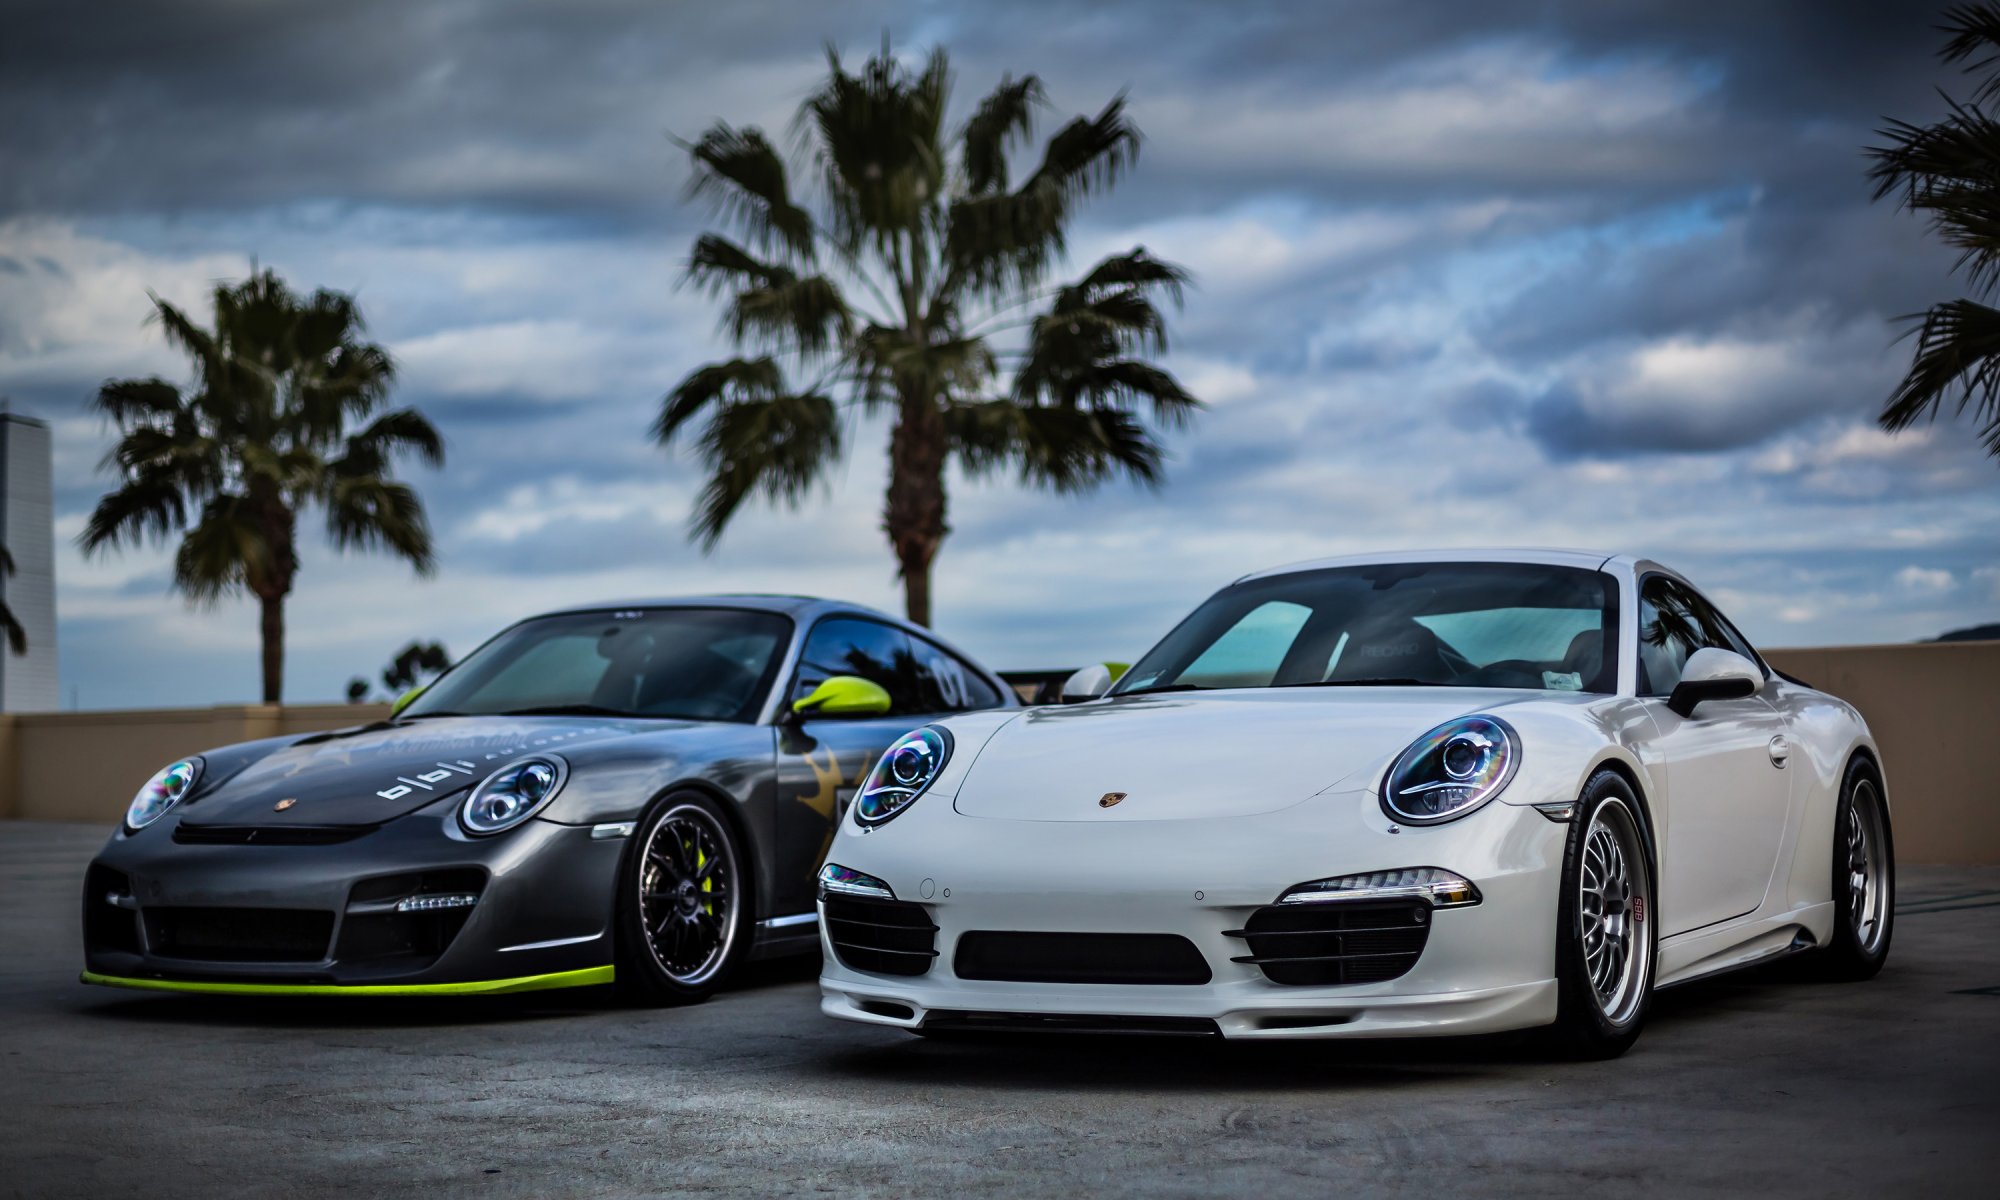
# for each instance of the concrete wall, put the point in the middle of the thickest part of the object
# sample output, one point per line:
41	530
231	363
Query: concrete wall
85	766
1935	710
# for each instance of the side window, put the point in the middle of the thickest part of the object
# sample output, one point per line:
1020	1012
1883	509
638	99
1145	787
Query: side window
1668	634
875	652
946	684
1674	622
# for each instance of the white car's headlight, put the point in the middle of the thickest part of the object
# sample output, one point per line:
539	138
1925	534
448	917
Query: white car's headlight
909	767
512	794
1451	770
162	792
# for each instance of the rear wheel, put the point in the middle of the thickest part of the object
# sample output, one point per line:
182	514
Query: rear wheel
1606	934
1864	879
683	904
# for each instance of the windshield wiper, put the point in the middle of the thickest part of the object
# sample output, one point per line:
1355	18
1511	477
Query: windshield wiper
1376	681
568	710
400	717
1165	687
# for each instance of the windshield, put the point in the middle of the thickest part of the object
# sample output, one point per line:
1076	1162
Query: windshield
1436	624
704	663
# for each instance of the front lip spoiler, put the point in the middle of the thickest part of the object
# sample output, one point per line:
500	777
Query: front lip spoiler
587	977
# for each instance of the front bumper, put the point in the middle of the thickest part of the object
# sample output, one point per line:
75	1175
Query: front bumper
1484	968
542	917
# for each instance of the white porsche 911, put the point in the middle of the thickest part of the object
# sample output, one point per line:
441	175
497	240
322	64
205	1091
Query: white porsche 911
1371	797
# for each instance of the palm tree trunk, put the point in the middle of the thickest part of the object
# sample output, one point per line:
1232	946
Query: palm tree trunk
274	647
914	516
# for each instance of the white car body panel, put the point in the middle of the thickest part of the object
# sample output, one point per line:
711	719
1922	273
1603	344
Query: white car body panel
1236	795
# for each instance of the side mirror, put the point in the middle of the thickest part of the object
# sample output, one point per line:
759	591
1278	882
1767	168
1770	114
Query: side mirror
403	701
1713	673
844	696
1091	682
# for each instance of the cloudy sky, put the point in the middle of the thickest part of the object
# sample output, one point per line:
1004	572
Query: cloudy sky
1470	273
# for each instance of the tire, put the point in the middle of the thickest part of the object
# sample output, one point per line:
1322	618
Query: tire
1864	879
684	899
1607	935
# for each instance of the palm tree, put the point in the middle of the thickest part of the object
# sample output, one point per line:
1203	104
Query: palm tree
267	429
17	637
880	287
1950	170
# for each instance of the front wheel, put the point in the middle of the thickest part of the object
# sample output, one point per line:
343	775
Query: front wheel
1864	880
1607	926
683	903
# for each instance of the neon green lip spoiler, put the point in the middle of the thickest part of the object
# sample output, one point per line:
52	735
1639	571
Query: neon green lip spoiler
586	977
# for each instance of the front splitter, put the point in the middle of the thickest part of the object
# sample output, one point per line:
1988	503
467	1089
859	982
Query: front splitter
587	977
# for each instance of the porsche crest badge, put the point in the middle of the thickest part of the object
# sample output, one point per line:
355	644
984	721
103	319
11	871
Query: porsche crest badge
1109	798
284	804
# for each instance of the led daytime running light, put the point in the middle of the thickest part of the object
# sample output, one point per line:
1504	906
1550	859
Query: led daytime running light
1442	888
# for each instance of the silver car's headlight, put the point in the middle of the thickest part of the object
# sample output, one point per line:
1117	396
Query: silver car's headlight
909	767
1451	770
512	794
162	792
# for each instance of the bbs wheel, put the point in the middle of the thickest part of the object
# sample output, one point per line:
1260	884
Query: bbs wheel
1606	930
683	905
1864	879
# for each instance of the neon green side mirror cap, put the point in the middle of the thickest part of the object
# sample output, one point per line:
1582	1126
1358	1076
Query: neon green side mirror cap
403	701
845	696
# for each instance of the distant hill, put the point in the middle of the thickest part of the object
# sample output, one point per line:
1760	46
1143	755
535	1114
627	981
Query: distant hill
1973	633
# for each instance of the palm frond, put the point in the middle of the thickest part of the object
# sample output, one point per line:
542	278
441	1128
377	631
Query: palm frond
1957	353
1975	42
403	431
878	135
774	445
366	512
737	380
738	171
226	547
809	314
151	401
1949	172
143	507
1005	116
1067	450
1009	239
716	263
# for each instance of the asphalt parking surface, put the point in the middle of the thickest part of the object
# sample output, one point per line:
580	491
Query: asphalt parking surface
1765	1083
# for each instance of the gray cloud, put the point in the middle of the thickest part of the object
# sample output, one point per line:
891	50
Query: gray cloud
1515	271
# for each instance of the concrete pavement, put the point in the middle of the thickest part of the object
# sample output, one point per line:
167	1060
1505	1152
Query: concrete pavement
1767	1083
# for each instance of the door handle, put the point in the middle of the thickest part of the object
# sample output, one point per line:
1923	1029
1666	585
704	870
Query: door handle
1781	751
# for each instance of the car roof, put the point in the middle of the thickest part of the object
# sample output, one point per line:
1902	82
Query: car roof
1590	560
802	607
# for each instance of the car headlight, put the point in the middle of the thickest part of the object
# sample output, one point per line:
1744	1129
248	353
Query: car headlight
1451	770
161	793
512	794
910	766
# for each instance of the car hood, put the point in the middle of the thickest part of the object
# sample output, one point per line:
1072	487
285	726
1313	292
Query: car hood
373	773
1220	754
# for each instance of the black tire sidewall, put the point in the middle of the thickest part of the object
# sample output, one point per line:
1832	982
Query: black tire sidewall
640	978
1846	957
1580	1023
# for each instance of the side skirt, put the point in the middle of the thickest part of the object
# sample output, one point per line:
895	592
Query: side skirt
1703	953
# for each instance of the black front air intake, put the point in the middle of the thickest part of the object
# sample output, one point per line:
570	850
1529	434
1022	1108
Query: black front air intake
290	935
886	937
110	914
1160	958
1336	941
267	835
